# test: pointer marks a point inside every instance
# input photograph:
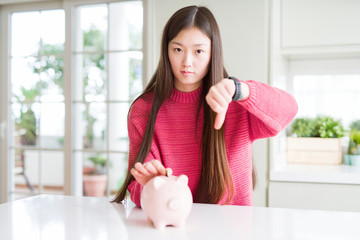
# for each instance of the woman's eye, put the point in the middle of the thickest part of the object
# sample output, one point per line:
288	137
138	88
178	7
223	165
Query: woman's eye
199	51
177	49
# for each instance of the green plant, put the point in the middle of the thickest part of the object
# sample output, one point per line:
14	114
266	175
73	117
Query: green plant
328	127
355	125
303	127
321	126
99	163
25	124
354	142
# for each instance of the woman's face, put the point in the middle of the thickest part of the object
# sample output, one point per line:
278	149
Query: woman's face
189	54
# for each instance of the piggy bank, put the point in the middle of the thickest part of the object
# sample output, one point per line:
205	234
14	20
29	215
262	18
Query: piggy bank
167	200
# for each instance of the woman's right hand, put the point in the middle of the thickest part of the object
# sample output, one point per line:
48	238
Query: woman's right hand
145	172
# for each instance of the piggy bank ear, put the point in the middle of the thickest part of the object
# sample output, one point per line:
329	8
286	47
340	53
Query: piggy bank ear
183	179
158	182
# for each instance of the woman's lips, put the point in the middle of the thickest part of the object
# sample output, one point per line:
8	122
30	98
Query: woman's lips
187	73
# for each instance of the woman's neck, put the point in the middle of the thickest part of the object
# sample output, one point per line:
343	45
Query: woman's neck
186	97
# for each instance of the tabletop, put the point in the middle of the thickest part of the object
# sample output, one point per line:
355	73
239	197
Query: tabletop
69	217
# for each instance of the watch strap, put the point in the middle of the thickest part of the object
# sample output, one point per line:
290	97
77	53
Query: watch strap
237	95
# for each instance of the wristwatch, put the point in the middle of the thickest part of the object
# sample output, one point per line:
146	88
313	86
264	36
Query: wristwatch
237	95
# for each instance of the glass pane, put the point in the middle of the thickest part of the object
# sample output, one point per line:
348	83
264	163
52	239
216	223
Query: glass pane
323	95
51	75
52	125
94	174
90	78
117	171
93	24
135	78
26	170
125	25
25	26
53	28
79	125
118	137
90	130
125	73
25	79
78	75
26	123
52	172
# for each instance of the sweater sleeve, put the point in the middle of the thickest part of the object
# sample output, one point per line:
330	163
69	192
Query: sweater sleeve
270	109
137	122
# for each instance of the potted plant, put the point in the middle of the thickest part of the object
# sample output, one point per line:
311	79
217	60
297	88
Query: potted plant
353	154
315	140
94	177
355	125
25	124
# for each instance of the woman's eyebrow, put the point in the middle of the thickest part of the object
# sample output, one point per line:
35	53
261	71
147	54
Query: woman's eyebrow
196	44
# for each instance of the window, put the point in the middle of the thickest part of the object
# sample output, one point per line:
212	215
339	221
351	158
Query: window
106	60
328	87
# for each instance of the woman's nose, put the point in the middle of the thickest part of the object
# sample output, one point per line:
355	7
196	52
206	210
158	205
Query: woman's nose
187	60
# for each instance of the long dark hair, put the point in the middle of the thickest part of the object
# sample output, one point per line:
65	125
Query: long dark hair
215	179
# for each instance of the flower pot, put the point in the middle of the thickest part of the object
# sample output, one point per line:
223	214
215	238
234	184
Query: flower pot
95	185
88	170
347	159
355	160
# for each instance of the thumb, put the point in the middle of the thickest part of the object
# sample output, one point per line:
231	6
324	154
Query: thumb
219	120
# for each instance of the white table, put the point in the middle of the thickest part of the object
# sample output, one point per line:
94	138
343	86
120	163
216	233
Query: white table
67	217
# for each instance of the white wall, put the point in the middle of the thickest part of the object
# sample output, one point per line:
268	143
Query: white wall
320	23
244	29
320	28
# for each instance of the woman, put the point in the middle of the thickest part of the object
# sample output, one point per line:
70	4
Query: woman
193	119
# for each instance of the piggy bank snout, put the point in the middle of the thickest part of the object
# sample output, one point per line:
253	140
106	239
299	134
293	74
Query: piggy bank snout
174	204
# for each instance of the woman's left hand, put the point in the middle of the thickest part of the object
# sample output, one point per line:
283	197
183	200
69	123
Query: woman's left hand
219	97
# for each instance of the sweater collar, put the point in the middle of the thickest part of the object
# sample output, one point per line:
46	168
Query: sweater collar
185	97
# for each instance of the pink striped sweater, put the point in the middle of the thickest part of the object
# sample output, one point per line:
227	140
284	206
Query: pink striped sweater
176	140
